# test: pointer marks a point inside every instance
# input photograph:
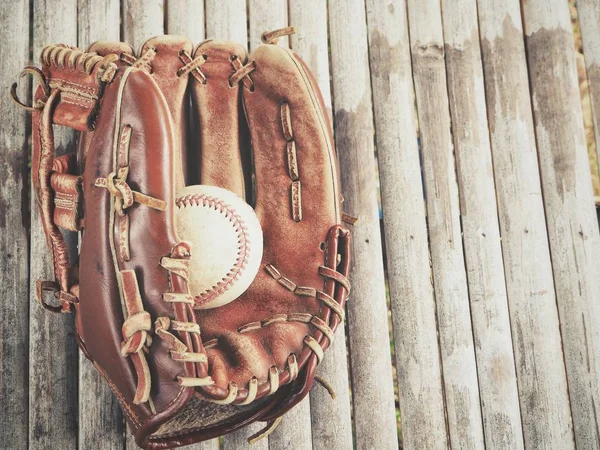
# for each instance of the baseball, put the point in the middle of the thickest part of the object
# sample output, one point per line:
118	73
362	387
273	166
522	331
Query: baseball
227	243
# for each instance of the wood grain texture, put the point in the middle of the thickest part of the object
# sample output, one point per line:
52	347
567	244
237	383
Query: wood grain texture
100	417
331	419
98	20
142	19
569	202
294	431
481	233
53	355
185	18
540	367
407	251
227	19
238	440
443	217
589	23
213	444
370	358
311	41
266	15
14	230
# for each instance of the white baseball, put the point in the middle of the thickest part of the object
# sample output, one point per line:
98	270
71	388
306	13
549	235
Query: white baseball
227	243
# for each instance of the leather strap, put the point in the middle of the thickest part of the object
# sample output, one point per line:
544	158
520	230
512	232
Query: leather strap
70	86
43	154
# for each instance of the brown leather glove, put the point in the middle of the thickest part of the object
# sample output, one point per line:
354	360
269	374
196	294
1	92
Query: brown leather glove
152	123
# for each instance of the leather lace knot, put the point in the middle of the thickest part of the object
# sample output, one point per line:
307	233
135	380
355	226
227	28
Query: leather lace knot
136	332
124	196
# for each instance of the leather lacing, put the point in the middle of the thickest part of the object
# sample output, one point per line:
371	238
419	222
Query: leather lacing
137	327
62	56
272	37
189	330
144	62
180	352
191	66
125	197
242	73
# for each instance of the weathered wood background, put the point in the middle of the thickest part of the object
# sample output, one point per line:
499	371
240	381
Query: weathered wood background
475	308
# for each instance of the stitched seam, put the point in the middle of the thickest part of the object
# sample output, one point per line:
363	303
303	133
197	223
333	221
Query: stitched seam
243	240
64	203
64	196
71	83
64	100
74	95
168	406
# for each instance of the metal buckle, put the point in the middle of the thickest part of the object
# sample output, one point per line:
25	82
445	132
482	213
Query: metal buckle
42	286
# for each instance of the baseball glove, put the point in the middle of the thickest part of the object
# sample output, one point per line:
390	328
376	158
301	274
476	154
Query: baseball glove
202	312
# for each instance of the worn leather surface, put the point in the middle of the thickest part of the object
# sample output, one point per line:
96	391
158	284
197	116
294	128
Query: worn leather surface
266	136
100	307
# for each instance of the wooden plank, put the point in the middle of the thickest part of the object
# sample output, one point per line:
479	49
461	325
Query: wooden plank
100	416
443	217
294	431
97	20
53	355
569	200
186	18
266	15
331	419
226	19
481	232
142	19
540	368
14	230
370	358
311	41
213	444
589	23
408	260
238	440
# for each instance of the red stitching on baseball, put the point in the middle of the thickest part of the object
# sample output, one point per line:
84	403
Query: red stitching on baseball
243	240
